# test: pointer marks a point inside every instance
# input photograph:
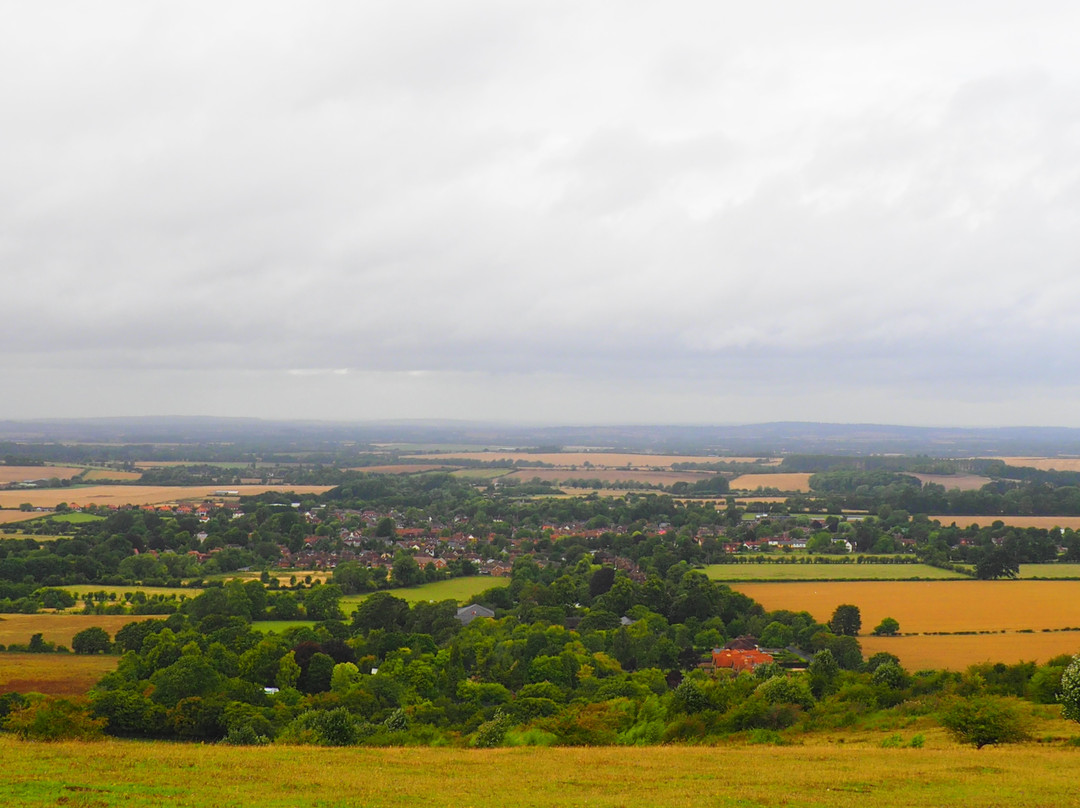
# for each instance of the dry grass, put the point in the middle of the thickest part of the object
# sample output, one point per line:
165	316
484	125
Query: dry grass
857	773
139	494
922	606
597	459
59	628
1046	522
52	674
964	482
792	481
957	652
16	474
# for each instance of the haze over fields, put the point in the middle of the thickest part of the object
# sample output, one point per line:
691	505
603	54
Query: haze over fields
707	212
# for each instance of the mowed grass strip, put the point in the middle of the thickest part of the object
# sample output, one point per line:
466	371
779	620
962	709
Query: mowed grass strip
929	606
958	651
849	775
53	674
60	628
827	572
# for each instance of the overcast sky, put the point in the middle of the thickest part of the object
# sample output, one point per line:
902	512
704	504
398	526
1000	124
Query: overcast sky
587	212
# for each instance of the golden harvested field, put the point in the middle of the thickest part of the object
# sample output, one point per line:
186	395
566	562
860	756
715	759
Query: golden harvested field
53	674
401	468
923	606
611	475
597	459
106	474
60	628
16	474
957	652
856	773
965	482
1046	522
793	481
139	494
826	572
1044	463
180	591
10	516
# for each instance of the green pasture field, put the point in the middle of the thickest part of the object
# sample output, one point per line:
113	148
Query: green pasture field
482	474
35	536
853	772
459	589
1050	570
827	572
279	625
74	518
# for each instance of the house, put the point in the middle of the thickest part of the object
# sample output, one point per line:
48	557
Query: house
739	660
466	614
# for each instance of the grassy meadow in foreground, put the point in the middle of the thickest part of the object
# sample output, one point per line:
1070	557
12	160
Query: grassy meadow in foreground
858	773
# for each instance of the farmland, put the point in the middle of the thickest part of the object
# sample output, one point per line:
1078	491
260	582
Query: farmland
109	474
964	482
58	628
459	589
138	494
958	651
16	474
1045	522
614	460
52	674
857	773
827	572
611	475
1044	463
119	590
9	517
784	482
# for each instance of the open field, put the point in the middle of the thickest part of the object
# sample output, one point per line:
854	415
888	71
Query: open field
108	474
857	773
53	674
401	468
792	481
8	517
1044	463
16	474
1047	522
831	572
965	482
139	494
281	625
60	628
958	651
965	605
482	474
460	589
612	475
81	589
596	459
1050	570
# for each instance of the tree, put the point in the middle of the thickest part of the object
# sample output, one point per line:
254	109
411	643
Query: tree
846	620
984	721
1070	690
93	640
997	562
888	627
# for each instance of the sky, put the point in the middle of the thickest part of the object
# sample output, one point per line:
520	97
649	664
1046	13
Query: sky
553	212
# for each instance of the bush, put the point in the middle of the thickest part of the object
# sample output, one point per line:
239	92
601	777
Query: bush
985	721
55	720
1070	690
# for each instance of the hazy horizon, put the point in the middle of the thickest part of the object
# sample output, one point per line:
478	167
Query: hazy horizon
565	213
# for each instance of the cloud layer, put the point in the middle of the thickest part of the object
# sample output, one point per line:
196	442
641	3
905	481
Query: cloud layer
701	212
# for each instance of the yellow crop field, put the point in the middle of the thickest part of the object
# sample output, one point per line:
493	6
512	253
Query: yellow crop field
596	459
923	606
78	590
857	773
1046	522
53	674
1044	463
958	651
59	628
965	482
16	474
139	494
792	481
10	516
